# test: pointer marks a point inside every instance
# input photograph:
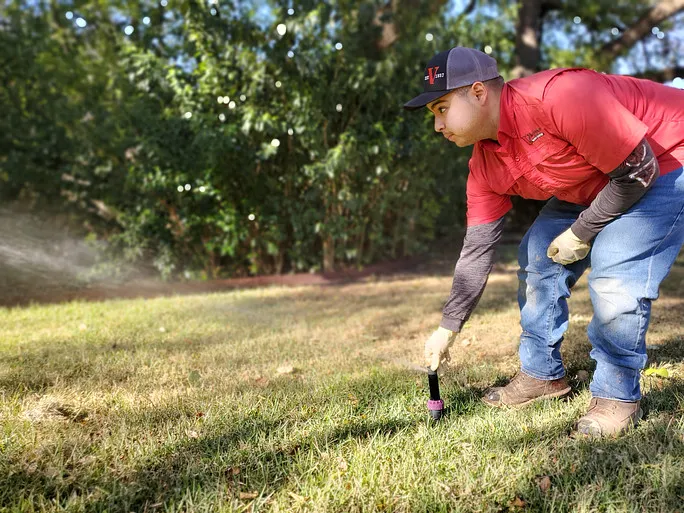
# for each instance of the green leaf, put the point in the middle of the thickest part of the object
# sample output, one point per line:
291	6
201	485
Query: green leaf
194	377
657	371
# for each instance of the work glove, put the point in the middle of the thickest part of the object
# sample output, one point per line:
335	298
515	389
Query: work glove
567	248
437	347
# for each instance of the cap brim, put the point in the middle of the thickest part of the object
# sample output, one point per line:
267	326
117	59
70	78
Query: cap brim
423	99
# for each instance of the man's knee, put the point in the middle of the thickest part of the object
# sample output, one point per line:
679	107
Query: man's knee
611	298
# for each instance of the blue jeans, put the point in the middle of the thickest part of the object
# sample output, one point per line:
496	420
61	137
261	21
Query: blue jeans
629	259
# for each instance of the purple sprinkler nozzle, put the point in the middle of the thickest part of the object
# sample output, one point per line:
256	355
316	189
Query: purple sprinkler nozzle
436	409
435	404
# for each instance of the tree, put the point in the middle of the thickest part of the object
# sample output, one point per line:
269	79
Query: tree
229	138
614	29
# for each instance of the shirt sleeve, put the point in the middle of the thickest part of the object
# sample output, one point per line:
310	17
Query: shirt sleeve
586	113
628	183
471	273
483	204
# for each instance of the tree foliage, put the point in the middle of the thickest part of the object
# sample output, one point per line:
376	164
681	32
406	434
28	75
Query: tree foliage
232	138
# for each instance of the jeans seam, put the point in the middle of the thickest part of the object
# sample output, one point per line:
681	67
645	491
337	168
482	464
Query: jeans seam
655	250
642	316
542	378
614	399
554	304
640	326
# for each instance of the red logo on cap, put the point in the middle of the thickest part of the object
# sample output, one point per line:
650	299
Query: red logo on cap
431	74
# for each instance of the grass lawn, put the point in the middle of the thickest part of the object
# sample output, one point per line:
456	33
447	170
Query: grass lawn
304	399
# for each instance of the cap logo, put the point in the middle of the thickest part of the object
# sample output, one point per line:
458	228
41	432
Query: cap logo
432	74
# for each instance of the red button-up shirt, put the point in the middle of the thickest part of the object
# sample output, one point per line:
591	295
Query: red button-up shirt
561	131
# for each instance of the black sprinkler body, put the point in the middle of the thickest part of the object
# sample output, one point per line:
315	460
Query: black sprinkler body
435	404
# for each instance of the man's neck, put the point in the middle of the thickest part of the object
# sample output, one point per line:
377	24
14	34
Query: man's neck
495	116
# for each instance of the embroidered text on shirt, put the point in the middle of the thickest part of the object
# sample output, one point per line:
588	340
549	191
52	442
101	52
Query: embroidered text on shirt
533	135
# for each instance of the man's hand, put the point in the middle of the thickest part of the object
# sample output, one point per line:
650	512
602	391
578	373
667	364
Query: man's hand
567	248
437	347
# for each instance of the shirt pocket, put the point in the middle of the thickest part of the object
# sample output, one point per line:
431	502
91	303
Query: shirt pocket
567	172
547	146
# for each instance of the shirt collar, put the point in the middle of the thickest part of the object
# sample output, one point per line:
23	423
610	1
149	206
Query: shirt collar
506	119
507	131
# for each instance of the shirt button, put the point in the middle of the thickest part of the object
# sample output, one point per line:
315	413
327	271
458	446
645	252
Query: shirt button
517	158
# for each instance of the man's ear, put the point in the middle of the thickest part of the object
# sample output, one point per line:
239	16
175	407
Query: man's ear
479	91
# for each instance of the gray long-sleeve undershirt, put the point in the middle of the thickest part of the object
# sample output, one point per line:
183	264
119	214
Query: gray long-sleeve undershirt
471	273
628	183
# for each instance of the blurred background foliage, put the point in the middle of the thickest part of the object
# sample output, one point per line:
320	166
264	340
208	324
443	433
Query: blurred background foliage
205	139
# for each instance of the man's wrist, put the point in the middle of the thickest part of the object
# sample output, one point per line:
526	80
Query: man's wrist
450	324
581	232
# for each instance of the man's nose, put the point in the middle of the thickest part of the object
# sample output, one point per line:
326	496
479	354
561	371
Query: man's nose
439	124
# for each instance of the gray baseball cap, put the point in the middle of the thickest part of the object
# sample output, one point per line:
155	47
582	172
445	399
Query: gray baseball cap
450	70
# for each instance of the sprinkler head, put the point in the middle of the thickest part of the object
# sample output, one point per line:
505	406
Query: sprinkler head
435	404
436	409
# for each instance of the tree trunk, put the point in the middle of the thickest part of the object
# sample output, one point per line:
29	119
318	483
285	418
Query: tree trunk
328	254
390	31
360	242
389	28
527	38
280	259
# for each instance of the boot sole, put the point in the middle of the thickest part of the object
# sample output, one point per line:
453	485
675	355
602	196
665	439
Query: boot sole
555	395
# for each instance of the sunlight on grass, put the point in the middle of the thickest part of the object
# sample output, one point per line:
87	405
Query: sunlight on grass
303	399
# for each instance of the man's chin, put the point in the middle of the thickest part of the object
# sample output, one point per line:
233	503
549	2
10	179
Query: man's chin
459	142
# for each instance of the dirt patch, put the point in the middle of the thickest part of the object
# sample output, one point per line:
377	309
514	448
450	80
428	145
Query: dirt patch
49	408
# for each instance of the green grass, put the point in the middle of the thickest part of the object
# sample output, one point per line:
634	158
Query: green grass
102	411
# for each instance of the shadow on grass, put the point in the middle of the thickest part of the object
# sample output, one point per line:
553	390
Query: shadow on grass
345	301
254	450
638	471
635	472
672	350
257	450
69	363
208	462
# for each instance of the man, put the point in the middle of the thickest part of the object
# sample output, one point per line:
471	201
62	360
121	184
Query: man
607	152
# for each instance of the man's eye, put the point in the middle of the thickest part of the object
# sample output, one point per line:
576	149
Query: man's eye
441	110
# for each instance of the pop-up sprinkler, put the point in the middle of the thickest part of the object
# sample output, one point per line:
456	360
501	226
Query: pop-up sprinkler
435	404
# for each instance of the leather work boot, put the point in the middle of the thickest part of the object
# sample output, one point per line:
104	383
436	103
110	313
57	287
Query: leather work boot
524	389
608	417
